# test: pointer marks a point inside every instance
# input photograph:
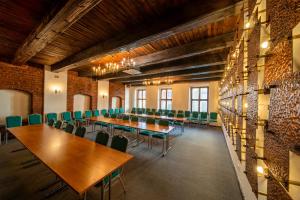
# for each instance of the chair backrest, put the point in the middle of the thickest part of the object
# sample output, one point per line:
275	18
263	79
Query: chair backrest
77	115
148	110
111	111
150	121
134	119
103	112
122	110
180	115
96	113
66	116
58	124
125	117
187	113
69	128
102	138
113	115
88	114
163	122
50	116
213	115
13	121
143	110
80	131
119	143
195	114
180	111
51	122
157	113
173	111
117	110
106	115
203	115
171	114
34	119
133	109
139	112
149	113
153	110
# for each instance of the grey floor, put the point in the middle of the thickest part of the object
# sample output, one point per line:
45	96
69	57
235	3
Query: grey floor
198	167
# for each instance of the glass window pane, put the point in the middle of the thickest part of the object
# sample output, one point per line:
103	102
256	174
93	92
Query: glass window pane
204	92
144	103
169	105
144	94
169	94
195	93
140	94
140	104
195	105
163	104
163	94
203	106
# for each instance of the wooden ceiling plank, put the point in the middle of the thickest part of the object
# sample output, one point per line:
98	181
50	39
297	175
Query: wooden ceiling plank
143	35
56	22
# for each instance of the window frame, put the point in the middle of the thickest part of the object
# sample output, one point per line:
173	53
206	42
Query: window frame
142	99
165	99
199	98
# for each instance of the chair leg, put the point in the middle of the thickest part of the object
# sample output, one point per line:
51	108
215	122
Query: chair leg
102	192
122	183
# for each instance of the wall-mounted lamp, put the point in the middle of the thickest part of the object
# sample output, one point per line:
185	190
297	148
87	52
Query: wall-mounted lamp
103	95
262	171
265	44
247	25
56	89
246	105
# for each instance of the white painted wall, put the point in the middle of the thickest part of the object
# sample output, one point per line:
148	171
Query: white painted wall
181	95
14	102
103	95
81	102
55	102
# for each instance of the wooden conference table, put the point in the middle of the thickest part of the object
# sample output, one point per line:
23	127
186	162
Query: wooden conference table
138	126
181	119
80	163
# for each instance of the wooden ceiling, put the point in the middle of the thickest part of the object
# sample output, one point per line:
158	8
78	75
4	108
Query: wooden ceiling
162	36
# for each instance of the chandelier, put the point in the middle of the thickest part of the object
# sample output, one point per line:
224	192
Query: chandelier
168	81
127	62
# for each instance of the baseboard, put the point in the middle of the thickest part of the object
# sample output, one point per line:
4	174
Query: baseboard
242	178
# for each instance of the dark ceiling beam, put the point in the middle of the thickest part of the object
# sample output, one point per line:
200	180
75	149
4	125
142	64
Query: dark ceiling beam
169	25
211	59
188	50
56	22
193	78
200	71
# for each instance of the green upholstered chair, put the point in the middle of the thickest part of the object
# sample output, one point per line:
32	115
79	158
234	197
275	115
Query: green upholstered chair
50	116
111	111
146	132
51	122
80	131
133	110
139	111
203	118
134	119
180	111
58	124
123	128
78	118
88	115
67	118
213	117
34	119
153	110
11	122
171	114
103	112
148	110
194	117
96	113
113	116
117	111
187	114
173	111
157	114
149	113
161	135
144	110
102	138
179	123
102	124
122	110
69	128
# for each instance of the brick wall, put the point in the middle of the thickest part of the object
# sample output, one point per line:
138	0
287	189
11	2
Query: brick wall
81	85
117	89
27	79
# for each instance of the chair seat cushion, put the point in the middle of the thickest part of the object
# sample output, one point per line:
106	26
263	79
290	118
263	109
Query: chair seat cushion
159	135
178	123
146	133
101	124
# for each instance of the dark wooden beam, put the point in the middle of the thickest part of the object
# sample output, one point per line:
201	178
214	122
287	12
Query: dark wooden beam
57	21
144	34
203	46
197	71
198	78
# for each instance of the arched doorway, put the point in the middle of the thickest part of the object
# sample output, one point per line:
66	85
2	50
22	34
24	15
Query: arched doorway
14	102
116	102
81	102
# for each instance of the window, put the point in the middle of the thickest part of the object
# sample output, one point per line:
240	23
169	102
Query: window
199	99
166	99
141	98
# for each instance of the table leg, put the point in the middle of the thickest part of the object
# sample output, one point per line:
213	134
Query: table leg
6	136
109	187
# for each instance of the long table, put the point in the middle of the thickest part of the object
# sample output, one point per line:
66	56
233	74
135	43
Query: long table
181	119
138	126
80	163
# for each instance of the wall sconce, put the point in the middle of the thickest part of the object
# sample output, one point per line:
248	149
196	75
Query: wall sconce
247	25
265	45
262	171
246	105
56	89
103	96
